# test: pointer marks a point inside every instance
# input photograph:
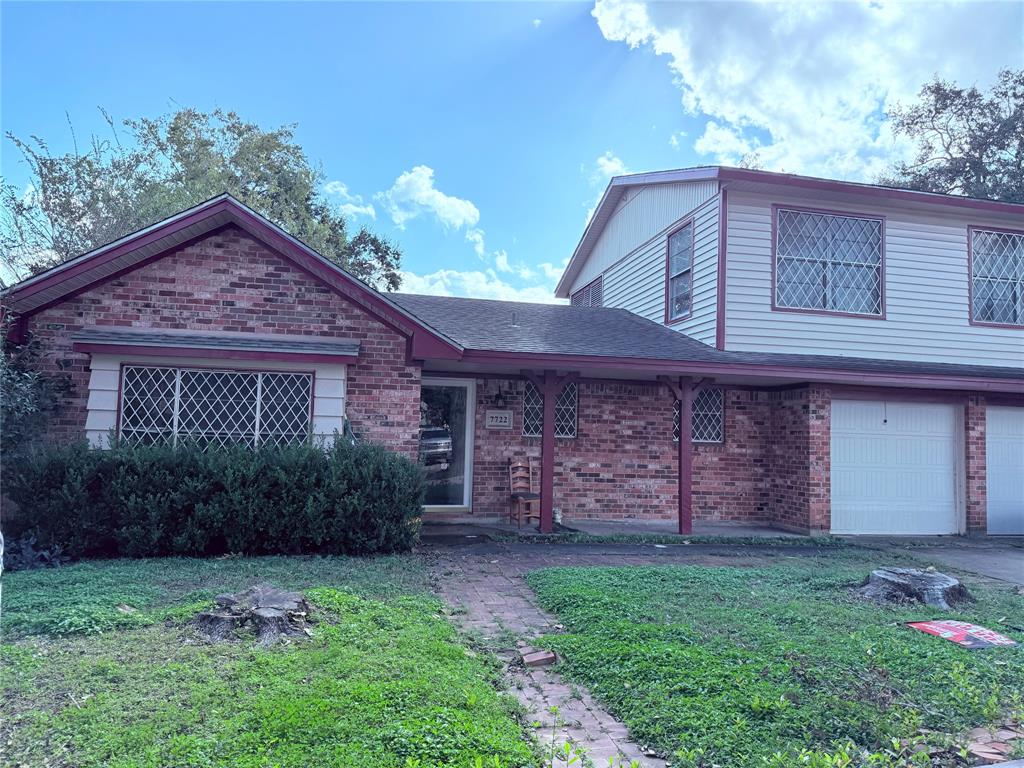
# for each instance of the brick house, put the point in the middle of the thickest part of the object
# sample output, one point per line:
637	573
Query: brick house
739	346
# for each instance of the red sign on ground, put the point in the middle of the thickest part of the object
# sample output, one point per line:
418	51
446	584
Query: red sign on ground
962	633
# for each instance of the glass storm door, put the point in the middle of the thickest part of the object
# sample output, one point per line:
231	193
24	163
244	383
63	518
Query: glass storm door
446	440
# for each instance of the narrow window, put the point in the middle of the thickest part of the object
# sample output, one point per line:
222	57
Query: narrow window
590	295
708	415
209	407
565	411
828	262
679	272
997	277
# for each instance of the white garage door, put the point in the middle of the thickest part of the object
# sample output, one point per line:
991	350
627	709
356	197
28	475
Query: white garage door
1004	459
894	467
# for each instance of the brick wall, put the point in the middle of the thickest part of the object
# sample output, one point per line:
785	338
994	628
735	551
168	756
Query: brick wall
230	282
623	462
974	463
798	451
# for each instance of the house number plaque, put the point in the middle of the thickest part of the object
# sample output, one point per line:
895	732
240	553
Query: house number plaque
498	419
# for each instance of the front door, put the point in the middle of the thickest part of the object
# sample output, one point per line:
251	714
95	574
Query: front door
446	440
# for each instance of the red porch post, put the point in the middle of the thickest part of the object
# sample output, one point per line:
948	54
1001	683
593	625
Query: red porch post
685	456
549	391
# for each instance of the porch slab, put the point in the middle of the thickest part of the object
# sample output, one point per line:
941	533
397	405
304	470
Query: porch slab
482	528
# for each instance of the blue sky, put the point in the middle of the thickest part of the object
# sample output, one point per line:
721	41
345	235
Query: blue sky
478	136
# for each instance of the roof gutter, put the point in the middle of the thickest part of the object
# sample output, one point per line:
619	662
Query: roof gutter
768	371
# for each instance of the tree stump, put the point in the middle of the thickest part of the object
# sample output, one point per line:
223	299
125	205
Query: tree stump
270	613
901	585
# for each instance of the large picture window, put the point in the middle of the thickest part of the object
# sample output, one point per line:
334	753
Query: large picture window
997	277
828	262
209	407
679	273
565	411
708	417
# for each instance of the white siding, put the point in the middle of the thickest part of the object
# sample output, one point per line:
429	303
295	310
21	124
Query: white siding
637	282
642	213
926	302
104	386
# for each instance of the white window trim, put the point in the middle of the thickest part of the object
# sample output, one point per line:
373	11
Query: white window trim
329	390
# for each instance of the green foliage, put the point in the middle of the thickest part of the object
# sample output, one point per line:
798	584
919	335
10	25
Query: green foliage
154	501
27	399
85	199
968	142
382	683
773	666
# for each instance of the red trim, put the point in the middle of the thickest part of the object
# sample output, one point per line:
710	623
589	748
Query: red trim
426	341
830	375
549	391
685	449
213	354
723	249
970	277
849	187
691	223
776	207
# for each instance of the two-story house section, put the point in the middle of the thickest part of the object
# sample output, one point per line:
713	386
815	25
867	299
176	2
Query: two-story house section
754	262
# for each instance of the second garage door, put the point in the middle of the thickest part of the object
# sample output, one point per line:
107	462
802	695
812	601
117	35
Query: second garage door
895	467
1005	458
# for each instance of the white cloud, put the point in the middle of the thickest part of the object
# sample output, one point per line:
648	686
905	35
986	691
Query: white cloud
477	284
536	23
807	84
351	206
476	237
674	140
606	166
552	272
414	194
601	172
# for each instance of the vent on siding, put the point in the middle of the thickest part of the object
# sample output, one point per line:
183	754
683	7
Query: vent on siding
590	295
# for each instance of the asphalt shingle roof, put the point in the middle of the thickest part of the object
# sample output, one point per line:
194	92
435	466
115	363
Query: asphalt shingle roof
561	329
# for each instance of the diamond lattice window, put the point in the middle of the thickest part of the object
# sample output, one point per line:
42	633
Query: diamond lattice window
170	405
829	263
708	417
565	411
997	277
680	267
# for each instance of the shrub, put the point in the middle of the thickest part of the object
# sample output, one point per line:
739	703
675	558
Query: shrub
153	501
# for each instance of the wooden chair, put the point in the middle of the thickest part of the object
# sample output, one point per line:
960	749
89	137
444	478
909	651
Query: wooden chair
523	500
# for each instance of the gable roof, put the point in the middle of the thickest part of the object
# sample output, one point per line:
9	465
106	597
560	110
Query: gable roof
618	186
561	335
109	261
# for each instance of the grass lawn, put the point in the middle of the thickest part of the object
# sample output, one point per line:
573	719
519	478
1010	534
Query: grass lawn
749	666
101	669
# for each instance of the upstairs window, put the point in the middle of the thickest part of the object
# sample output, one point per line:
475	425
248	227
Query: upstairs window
565	411
997	277
165	406
827	262
678	274
708	417
591	295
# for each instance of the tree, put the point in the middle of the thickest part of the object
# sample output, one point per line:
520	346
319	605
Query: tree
85	199
968	142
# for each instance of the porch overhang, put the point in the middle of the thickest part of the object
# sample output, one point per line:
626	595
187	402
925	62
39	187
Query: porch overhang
216	346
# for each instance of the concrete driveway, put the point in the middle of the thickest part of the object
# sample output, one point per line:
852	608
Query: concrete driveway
999	558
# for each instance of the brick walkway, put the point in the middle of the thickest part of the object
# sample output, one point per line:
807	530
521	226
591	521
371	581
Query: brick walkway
485	584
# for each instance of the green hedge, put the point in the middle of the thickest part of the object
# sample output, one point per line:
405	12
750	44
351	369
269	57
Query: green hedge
153	501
